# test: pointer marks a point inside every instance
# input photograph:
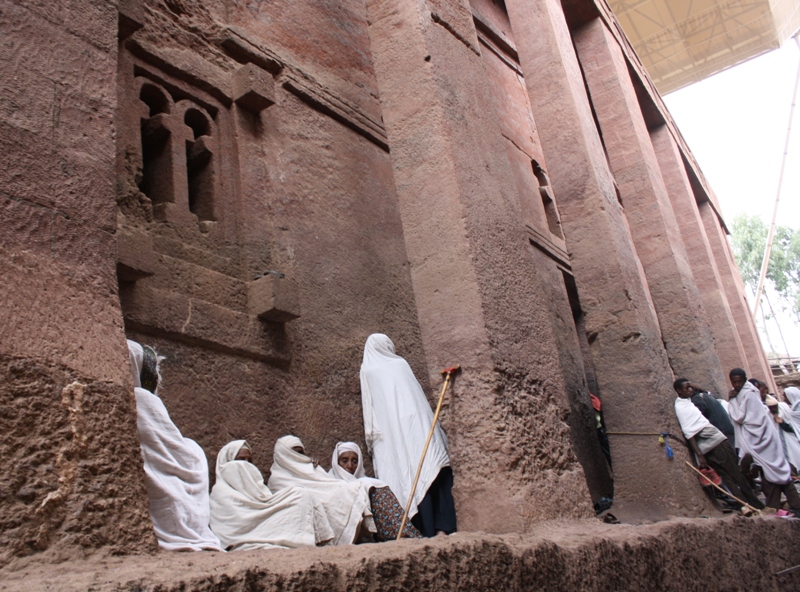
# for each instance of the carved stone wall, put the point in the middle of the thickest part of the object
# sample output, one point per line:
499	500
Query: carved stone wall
70	477
255	173
255	187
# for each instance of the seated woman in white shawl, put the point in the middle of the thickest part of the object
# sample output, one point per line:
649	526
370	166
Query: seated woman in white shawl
346	504
347	464
757	435
397	419
175	468
246	515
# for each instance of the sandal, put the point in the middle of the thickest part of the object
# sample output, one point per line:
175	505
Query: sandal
610	519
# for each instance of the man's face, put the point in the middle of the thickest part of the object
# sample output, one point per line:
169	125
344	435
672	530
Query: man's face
685	391
737	382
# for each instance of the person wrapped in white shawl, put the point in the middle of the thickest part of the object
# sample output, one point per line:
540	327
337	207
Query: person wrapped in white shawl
347	464
792	394
346	504
397	419
175	468
757	435
711	447
783	421
246	515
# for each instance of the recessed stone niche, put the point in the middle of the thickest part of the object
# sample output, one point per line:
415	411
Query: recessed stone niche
273	298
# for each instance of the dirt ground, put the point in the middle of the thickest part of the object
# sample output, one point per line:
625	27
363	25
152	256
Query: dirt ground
731	553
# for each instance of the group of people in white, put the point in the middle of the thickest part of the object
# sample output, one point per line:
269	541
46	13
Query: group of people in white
747	436
301	505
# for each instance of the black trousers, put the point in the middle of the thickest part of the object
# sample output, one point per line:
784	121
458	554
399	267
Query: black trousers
772	491
724	461
437	510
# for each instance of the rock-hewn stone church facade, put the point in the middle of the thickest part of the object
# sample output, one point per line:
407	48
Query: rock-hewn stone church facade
253	187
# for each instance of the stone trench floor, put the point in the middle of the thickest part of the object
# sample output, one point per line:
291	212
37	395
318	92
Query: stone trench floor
729	553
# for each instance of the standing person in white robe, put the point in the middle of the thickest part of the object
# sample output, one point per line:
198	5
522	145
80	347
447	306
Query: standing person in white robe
346	504
789	441
246	515
397	419
347	464
175	468
756	434
792	394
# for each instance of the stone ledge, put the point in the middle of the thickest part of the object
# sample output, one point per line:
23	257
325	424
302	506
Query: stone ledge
195	321
300	83
681	554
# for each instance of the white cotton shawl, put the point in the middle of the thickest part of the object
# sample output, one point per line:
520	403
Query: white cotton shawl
246	515
176	473
397	419
791	442
793	395
346	504
360	474
689	416
757	434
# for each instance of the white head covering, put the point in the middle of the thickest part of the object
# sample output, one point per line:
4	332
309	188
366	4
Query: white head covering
757	434
136	355
246	515
397	419
360	474
346	503
793	395
176	473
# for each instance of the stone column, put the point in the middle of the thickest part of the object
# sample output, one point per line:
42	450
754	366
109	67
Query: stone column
72	473
632	366
756	362
727	342
478	293
656	235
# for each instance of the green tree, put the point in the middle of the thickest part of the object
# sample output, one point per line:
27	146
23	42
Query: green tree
749	239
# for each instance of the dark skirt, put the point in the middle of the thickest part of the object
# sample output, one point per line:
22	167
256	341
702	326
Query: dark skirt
437	510
388	514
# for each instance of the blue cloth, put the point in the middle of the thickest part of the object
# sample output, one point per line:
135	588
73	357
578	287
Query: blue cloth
437	511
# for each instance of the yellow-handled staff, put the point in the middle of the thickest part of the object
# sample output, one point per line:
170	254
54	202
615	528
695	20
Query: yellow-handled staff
448	372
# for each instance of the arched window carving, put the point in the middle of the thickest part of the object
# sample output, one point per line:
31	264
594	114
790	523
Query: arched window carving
199	169
155	98
156	158
178	168
550	210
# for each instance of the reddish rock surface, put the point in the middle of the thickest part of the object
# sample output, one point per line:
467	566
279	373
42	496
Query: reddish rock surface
254	188
731	554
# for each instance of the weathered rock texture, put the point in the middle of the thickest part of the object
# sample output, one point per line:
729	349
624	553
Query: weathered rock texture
707	555
70	477
647	207
254	188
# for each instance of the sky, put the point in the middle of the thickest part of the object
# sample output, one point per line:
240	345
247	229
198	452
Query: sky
735	124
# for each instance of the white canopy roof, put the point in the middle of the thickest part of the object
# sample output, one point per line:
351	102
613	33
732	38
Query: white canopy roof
685	41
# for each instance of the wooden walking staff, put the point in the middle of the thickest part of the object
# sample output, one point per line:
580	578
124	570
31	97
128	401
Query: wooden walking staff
728	493
448	372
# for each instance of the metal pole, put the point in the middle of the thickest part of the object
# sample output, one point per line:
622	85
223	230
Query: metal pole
771	235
